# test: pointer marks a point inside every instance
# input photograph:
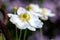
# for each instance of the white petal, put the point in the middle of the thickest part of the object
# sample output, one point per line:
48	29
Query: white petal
39	24
36	23
21	10
44	17
50	14
22	25
31	28
9	15
35	7
30	14
34	20
15	19
34	14
46	11
25	25
12	20
37	15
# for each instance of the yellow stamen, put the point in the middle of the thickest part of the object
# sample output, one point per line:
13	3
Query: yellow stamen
24	16
28	7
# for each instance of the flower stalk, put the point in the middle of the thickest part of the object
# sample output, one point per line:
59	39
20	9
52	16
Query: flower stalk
25	34
20	34
16	34
15	12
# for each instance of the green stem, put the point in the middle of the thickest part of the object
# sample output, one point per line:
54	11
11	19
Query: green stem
14	12
41	34
16	34
16	29
25	34
20	34
2	36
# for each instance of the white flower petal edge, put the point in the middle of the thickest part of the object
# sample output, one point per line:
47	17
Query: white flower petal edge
51	15
38	14
23	25
9	15
21	10
36	23
44	17
32	28
14	19
35	7
48	12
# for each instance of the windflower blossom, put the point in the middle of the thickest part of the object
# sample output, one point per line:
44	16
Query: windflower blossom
52	6
43	13
24	19
33	7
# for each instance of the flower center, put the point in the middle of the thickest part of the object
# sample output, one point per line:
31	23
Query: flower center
24	16
28	7
43	11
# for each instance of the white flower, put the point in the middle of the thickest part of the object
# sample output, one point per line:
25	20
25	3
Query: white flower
24	19
43	13
33	7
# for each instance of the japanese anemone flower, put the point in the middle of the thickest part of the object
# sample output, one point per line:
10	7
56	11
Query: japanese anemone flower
52	6
43	13
33	7
24	19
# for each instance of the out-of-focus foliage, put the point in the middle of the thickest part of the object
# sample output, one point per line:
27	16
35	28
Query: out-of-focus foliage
3	5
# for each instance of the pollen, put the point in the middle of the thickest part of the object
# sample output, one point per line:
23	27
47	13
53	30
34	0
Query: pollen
28	7
24	16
